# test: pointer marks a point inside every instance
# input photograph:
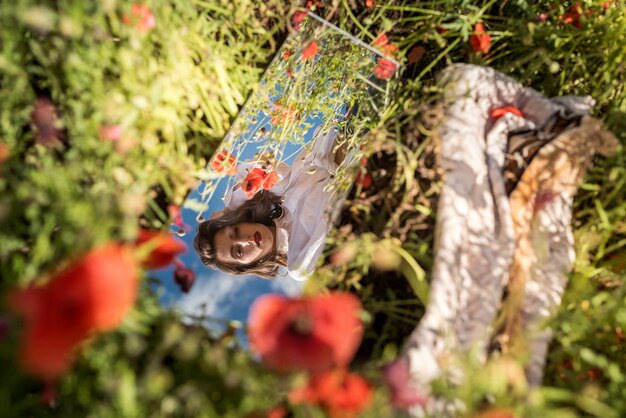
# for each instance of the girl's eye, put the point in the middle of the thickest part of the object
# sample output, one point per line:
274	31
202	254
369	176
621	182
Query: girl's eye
236	232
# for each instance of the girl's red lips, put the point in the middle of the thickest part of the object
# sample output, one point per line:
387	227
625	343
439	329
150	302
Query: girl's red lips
258	238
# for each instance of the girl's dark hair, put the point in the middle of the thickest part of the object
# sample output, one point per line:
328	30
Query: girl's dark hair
262	208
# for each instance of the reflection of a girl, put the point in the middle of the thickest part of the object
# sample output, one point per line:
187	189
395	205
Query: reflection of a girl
284	227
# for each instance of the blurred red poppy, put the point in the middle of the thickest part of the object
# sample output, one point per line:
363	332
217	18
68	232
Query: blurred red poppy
382	44
163	248
384	68
480	41
340	393
140	17
574	14
363	179
4	152
297	19
496	412
403	394
313	334
224	163
310	51
184	277
110	132
45	121
497	113
93	293
314	5
278	412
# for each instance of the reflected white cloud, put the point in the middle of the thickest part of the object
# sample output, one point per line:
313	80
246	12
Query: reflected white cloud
217	298
287	286
214	295
223	296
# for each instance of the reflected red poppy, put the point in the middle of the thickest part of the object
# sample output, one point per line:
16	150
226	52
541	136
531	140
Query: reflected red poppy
224	163
310	51
384	68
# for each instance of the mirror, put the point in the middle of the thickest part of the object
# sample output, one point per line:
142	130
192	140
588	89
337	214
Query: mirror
274	185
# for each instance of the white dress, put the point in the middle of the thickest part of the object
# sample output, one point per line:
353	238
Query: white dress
302	229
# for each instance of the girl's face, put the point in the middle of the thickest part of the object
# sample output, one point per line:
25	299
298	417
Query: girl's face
243	243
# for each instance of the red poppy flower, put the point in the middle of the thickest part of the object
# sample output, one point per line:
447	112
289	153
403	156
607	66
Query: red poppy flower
297	19
313	334
93	293
313	5
382	44
370	4
384	68
398	378
340	393
574	14
496	412
140	17
184	277
4	152
270	180
45	121
278	412
163	247
310	51
363	179
258	179
253	181
286	54
480	41
110	133
498	112
224	163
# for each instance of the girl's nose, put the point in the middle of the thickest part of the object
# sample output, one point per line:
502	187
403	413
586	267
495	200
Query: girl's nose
245	240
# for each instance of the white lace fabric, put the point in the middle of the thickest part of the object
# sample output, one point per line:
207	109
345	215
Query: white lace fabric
486	239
